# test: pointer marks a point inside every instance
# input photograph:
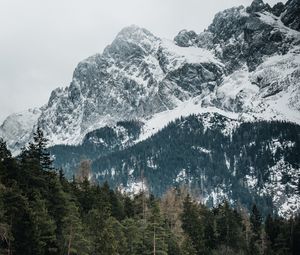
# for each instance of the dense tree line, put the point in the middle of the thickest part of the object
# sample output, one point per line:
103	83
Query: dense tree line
96	143
42	213
208	153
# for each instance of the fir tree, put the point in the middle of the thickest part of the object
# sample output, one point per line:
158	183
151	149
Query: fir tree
191	224
44	228
4	152
37	150
75	239
256	222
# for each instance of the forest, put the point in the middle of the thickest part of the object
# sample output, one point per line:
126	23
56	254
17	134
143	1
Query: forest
42	213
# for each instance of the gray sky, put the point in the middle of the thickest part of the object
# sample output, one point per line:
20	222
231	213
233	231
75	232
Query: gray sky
42	41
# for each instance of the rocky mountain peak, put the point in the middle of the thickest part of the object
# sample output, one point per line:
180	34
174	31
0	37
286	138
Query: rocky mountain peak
186	38
139	75
278	8
258	6
132	41
135	32
291	14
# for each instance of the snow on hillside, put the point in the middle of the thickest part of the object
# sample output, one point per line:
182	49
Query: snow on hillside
140	76
192	55
275	22
284	196
162	119
18	127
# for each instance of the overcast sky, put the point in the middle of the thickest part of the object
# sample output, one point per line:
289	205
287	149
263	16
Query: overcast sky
42	41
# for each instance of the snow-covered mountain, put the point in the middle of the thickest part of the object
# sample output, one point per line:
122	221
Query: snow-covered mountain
246	63
186	111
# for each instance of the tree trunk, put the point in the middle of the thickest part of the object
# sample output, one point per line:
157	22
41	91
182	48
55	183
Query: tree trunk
154	242
70	240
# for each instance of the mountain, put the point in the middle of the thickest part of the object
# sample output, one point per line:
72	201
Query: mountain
251	162
134	106
246	62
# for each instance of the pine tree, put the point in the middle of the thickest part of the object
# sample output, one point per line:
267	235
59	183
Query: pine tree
6	236
296	235
37	150
229	228
187	247
256	223
18	217
133	231
155	235
75	239
4	152
118	233
128	207
44	228
102	233
191	224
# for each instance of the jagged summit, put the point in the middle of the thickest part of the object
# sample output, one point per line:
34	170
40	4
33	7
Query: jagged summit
134	32
139	75
291	14
121	105
132	41
258	6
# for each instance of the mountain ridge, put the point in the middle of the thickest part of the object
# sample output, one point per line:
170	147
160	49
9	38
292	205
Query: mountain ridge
242	73
162	75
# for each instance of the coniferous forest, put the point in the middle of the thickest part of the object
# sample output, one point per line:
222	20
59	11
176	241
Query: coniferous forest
255	155
42	213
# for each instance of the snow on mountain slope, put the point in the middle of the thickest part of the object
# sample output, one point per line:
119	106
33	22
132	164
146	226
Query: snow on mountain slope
137	76
277	24
288	203
17	128
246	65
193	55
162	119
272	91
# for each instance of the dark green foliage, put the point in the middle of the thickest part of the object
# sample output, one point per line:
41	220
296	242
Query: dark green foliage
192	224
226	161
42	213
256	222
4	152
96	143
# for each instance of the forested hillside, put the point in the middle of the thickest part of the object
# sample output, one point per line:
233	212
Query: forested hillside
43	213
254	162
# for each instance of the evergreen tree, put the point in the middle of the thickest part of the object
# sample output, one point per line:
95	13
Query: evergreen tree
37	150
101	229
187	247
75	239
18	216
4	152
191	224
43	213
133	231
44	228
118	229
296	235
128	207
155	235
229	228
256	222
5	229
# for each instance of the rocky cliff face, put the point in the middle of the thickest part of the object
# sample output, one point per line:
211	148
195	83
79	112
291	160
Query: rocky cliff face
120	110
137	76
261	58
246	62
